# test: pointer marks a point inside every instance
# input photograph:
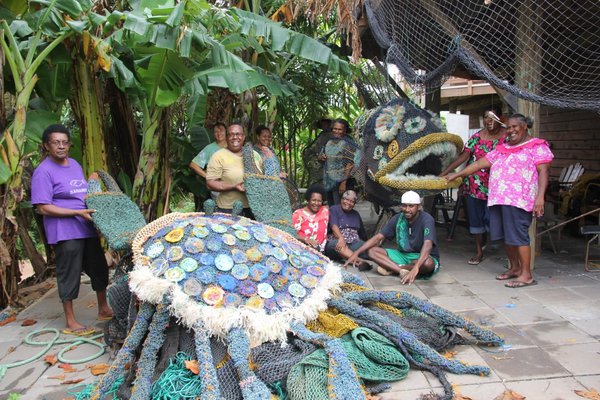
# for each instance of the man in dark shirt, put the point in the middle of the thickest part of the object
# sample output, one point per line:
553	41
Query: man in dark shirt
413	230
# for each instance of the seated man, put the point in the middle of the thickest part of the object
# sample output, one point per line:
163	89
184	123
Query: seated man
414	233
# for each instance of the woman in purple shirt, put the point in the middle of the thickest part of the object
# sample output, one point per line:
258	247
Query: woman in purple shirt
58	189
346	230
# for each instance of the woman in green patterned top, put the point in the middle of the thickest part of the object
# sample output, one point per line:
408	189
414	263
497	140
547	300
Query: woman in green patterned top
475	186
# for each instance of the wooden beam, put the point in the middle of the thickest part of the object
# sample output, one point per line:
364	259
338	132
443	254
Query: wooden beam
528	74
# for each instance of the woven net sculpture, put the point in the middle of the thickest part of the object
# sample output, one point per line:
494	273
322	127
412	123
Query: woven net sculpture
218	306
310	157
542	51
267	194
404	147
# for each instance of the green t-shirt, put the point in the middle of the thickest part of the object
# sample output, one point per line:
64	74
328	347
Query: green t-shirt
205	154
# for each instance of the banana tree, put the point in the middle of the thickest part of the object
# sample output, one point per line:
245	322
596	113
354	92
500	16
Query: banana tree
26	44
165	51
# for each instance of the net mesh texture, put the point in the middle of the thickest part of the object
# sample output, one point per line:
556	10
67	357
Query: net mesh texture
543	51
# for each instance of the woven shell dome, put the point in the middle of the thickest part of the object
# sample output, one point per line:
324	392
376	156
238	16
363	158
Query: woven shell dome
229	271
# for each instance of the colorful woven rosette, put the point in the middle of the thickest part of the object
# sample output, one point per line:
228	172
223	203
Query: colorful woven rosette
228	271
405	148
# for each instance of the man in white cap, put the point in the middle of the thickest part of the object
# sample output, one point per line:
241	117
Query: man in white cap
413	231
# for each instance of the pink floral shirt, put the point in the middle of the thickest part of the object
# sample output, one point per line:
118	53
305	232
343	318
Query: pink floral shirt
312	226
513	174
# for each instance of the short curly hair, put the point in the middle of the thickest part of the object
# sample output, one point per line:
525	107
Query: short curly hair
55	128
314	188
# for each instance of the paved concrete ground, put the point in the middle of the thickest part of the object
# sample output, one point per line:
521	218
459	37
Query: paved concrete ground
552	330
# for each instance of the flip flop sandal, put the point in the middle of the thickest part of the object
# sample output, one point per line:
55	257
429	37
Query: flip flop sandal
505	277
474	261
519	284
79	331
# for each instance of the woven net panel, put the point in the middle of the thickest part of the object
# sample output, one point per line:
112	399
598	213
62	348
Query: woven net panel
119	299
544	51
270	361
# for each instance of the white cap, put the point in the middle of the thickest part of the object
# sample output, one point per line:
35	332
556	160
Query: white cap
410	197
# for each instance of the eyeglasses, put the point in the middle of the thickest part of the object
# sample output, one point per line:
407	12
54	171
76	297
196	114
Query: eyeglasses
58	143
353	201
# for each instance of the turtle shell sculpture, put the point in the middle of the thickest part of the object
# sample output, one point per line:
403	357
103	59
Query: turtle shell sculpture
259	291
404	147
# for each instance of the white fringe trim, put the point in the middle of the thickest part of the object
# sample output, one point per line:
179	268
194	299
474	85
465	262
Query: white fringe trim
260	326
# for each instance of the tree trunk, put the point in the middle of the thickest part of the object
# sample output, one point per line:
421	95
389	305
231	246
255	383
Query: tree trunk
150	177
37	261
124	150
12	195
9	265
88	109
219	107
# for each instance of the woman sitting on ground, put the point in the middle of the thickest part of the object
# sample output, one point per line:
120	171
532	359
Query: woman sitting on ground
311	221
346	230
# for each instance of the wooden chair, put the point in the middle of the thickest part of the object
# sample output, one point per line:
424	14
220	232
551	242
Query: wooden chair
548	220
569	175
594	231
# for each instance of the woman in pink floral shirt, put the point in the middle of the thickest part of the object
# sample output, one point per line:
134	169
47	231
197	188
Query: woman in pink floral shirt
519	172
311	221
475	186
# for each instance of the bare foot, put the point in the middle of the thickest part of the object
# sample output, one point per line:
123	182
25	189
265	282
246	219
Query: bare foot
105	313
75	326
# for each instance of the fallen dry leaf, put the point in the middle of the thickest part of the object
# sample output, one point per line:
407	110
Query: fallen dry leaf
449	354
71	349
192	366
28	322
458	395
99	369
59	377
72	381
67	368
510	395
588	394
8	320
51	359
502	358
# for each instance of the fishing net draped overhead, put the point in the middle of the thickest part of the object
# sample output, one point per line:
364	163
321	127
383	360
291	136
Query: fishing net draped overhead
545	51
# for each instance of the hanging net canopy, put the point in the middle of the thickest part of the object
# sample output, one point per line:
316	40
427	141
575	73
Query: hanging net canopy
543	51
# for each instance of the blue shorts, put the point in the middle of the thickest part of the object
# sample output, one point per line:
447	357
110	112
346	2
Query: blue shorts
479	215
511	224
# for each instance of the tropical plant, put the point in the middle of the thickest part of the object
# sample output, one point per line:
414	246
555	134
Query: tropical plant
26	44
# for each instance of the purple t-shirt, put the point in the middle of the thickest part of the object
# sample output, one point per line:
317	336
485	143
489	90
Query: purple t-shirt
66	187
343	219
